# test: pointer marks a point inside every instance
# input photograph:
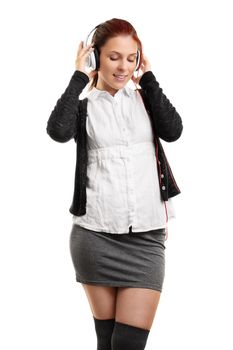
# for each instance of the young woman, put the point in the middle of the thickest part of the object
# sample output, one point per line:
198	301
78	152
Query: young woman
123	182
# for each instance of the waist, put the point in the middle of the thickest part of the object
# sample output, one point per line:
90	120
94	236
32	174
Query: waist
120	151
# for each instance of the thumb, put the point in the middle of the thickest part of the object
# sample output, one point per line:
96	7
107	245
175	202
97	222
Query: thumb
133	78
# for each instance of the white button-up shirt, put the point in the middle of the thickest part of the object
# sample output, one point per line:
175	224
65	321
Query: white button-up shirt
122	176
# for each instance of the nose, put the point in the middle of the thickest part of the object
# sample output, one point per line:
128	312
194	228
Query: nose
123	65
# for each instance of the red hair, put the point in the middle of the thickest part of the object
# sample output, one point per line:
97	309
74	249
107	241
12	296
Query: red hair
110	29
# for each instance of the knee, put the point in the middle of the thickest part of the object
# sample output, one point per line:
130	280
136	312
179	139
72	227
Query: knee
127	337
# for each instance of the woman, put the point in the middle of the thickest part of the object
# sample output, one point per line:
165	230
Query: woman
123	182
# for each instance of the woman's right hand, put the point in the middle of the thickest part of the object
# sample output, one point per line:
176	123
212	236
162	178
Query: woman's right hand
80	62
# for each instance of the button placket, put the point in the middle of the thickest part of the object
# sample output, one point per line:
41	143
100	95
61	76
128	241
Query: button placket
130	185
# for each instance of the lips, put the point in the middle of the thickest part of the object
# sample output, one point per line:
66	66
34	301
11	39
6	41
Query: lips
120	77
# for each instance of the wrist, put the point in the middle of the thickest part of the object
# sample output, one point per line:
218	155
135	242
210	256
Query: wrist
82	72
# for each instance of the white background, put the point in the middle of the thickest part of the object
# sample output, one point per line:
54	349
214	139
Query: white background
189	46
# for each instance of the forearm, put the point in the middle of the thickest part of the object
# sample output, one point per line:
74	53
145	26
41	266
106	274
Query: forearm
62	123
168	122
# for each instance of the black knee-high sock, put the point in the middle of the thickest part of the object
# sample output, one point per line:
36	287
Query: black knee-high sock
104	329
127	337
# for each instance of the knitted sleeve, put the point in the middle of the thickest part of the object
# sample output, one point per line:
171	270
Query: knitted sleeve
62	123
167	121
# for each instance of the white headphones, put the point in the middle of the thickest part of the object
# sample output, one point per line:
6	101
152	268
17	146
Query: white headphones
93	60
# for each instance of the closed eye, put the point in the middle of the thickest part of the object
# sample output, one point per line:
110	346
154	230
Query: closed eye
115	59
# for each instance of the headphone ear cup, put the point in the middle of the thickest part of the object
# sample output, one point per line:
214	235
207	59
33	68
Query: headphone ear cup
137	60
97	59
93	60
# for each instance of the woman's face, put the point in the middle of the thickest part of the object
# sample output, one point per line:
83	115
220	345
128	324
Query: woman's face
117	63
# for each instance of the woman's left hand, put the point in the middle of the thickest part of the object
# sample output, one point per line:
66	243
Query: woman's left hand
145	67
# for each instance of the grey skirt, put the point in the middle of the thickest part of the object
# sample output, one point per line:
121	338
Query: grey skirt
135	259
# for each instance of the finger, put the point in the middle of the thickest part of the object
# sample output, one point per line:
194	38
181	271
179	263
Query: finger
89	51
80	46
88	47
86	51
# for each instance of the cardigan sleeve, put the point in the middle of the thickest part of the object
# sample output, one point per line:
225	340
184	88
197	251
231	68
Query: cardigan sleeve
62	123
167	121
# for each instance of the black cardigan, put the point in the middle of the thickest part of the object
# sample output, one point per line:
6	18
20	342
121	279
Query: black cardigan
68	120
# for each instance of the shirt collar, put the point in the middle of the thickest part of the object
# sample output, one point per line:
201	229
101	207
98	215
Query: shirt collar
96	93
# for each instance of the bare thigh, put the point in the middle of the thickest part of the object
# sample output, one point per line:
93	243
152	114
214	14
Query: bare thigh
102	300
136	306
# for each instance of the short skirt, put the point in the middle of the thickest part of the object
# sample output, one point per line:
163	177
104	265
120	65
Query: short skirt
135	259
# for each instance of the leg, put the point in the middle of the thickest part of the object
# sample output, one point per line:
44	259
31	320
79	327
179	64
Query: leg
102	301
135	311
137	306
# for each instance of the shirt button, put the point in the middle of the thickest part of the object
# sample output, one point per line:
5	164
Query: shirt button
163	187
162	175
